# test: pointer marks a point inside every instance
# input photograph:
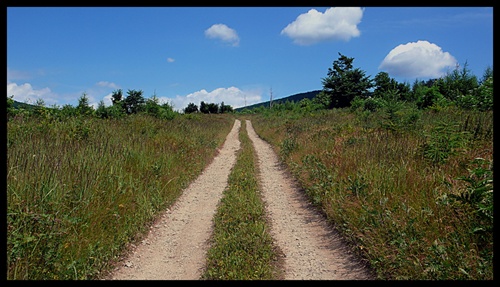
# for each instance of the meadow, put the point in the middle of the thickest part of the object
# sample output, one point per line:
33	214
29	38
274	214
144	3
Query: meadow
410	189
80	189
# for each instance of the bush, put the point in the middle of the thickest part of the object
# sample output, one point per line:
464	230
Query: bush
485	95
467	102
369	104
445	140
428	96
372	104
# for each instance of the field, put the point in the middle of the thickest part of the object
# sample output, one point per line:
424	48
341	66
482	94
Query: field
79	190
411	190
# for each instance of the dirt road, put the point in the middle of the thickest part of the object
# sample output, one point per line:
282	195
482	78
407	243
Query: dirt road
312	249
177	245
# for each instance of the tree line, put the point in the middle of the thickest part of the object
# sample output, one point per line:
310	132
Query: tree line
344	86
131	103
349	87
208	108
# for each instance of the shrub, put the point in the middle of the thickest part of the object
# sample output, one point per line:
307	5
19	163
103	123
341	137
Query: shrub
373	105
479	193
444	141
428	96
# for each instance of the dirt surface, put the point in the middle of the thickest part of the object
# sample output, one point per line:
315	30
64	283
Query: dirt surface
312	249
177	244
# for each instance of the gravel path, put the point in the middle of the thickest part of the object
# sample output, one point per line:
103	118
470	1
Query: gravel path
312	249
177	244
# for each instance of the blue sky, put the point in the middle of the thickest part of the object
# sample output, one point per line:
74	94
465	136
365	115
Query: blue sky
235	55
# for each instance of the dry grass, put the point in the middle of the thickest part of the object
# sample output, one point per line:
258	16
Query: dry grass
386	191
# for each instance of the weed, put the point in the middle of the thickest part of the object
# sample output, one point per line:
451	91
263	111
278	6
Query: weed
478	195
287	146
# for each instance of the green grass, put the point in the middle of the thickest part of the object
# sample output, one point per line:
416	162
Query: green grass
78	191
411	190
241	247
409	196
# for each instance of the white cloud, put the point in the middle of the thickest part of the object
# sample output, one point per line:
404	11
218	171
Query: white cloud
108	99
94	94
337	23
107	84
419	59
232	96
224	33
26	94
170	60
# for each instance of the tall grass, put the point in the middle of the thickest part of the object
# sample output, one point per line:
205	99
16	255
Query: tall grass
414	197
79	190
241	246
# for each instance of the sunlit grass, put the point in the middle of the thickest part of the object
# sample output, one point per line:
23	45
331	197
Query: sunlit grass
388	197
414	198
241	247
78	191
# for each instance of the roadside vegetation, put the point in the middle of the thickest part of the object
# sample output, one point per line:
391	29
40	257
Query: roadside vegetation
80	187
241	246
405	173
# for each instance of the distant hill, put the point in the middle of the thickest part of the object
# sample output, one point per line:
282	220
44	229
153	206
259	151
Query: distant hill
19	105
292	98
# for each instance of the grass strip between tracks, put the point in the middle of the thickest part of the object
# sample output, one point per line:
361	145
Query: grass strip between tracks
241	246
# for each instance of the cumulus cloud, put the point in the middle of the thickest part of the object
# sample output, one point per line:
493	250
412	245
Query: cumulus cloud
170	60
224	33
108	99
25	93
419	59
337	23
232	96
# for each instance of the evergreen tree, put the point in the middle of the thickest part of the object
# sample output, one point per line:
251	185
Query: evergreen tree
117	96
203	107
134	102
83	107
343	83
191	108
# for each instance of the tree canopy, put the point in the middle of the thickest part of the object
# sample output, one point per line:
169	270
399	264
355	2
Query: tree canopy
133	102
344	82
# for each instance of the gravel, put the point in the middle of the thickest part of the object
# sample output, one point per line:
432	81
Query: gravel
176	246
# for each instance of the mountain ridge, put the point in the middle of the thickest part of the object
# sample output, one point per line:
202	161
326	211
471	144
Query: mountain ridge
293	98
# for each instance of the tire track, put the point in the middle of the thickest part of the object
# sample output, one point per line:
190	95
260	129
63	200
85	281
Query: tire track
177	244
312	249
